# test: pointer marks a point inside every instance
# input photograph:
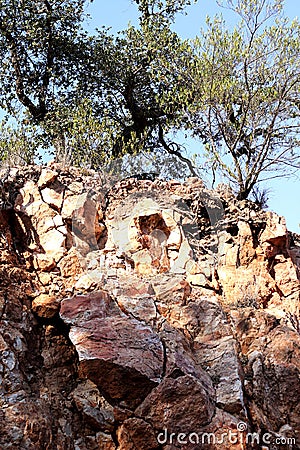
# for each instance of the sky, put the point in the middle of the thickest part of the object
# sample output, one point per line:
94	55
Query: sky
284	193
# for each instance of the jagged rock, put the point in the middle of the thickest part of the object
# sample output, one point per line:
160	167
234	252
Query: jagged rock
115	352
275	231
46	306
71	265
178	324
91	280
178	404
43	262
180	358
79	310
271	353
95	409
286	276
104	442
246	245
152	236
53	243
53	195
141	307
131	435
47	176
220	359
86	215
170	288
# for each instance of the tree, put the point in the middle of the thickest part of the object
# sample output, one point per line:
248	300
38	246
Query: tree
101	97
121	78
18	144
246	94
39	50
37	38
98	90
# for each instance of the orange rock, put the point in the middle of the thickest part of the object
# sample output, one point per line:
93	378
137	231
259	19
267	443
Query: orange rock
47	176
46	306
71	265
43	262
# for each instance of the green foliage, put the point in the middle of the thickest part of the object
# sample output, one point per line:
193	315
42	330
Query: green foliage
131	97
39	52
117	101
19	144
160	11
77	136
246	109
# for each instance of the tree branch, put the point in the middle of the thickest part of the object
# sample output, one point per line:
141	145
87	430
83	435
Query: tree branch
172	151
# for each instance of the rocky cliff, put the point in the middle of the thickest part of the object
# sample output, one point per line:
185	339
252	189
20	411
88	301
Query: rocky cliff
144	315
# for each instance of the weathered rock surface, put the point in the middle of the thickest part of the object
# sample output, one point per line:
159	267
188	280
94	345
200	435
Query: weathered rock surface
118	353
151	315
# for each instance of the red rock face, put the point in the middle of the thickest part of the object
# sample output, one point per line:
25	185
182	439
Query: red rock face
146	316
123	357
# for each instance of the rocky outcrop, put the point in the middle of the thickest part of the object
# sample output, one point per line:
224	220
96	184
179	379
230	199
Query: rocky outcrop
143	315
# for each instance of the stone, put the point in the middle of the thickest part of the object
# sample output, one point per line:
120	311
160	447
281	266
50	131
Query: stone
105	442
247	251
143	262
136	434
184	255
174	239
91	280
53	243
94	408
53	196
73	203
122	350
180	358
286	276
46	306
129	322
225	430
81	308
45	279
42	220
47	177
28	196
43	262
168	218
177	404
109	343
275	231
58	221
71	265
197	280
142	307
192	268
171	289
222	364
85	214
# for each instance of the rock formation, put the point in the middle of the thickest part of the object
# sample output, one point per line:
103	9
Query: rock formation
144	315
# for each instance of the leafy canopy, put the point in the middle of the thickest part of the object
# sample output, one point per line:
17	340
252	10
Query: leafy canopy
38	40
96	98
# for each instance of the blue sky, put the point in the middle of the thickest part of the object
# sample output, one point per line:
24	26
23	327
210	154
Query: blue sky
118	13
283	197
